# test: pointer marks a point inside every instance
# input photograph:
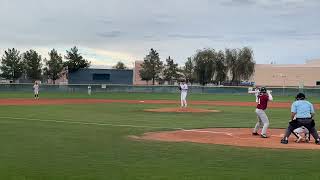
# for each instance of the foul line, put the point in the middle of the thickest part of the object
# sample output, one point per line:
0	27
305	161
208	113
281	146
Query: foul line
122	125
87	123
213	132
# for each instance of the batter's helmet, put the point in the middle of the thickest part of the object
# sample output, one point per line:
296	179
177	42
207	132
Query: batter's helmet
300	96
263	90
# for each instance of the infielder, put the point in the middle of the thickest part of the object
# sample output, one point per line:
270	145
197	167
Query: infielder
183	87
262	99
36	90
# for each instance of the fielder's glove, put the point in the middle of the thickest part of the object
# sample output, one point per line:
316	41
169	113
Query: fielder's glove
179	88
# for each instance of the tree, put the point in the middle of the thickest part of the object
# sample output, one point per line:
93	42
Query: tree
54	66
220	66
247	64
231	56
170	72
151	67
188	70
204	65
120	65
145	75
240	63
11	64
32	61
75	61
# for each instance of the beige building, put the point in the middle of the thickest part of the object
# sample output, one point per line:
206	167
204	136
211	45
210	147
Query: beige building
136	75
307	74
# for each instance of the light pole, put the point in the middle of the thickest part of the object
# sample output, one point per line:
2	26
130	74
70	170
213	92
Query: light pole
283	76
301	82
284	82
13	73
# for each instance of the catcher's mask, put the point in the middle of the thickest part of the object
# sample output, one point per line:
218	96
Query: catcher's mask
263	90
300	96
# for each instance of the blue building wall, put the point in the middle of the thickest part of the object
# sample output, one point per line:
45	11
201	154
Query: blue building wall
101	76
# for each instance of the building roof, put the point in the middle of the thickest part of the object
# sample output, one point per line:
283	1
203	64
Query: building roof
309	64
313	61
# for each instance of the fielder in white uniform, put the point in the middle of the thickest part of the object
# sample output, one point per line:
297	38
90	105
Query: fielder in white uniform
184	91
36	90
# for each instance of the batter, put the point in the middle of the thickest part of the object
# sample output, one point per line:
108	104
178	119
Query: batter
262	99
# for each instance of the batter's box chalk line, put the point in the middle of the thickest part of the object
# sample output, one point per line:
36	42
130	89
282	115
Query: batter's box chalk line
225	133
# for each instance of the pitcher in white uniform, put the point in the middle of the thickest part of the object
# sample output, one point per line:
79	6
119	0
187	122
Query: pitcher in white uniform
184	91
36	90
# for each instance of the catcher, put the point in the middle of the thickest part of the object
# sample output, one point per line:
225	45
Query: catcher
302	133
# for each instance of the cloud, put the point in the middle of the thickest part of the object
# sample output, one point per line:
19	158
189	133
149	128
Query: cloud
195	36
105	21
112	30
273	5
238	2
282	34
163	19
111	34
48	20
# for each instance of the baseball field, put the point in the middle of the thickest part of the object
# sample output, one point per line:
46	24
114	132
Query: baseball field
101	137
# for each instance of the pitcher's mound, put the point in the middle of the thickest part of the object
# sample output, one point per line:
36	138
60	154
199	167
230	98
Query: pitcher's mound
180	110
229	136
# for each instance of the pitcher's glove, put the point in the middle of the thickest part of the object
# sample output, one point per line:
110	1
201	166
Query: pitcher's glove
179	88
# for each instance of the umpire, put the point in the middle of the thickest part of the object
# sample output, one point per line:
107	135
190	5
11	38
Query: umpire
302	112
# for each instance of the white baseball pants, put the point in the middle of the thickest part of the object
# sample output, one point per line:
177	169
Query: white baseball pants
183	99
263	122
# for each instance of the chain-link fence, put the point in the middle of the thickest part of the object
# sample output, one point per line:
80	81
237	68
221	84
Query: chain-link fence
287	91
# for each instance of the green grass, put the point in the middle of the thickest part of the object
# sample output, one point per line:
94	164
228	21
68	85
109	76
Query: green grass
154	96
35	149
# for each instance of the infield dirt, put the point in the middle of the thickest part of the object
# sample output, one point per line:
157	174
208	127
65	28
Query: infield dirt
229	136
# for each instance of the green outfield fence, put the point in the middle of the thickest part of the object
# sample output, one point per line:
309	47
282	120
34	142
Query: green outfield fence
98	88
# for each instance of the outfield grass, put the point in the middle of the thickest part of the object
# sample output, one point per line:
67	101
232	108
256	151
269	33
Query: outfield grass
54	142
154	96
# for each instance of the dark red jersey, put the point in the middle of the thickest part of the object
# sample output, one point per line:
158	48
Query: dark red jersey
263	101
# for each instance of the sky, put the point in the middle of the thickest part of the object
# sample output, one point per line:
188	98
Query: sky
107	31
